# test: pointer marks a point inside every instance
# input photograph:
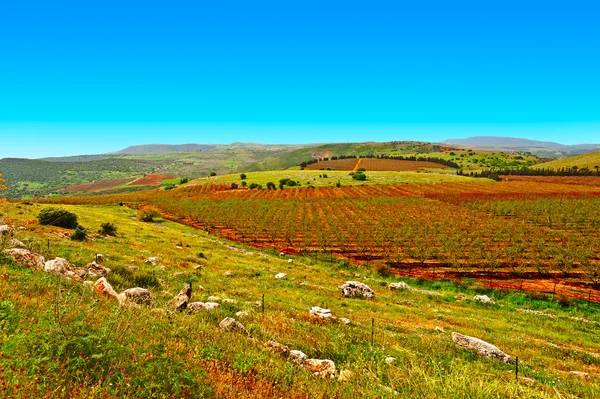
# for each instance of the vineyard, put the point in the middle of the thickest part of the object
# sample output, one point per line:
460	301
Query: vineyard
511	234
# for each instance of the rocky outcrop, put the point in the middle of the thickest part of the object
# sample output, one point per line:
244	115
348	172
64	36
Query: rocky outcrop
14	243
481	347
278	348
231	324
298	357
353	289
181	300
26	258
63	268
324	368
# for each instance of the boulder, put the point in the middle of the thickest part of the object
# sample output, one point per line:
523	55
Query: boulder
399	286
137	295
100	258
352	289
298	356
484	299
4	229
280	276
153	260
290	260
324	368
58	266
481	347
181	300
95	270
279	348
102	287
26	258
213	298
321	313
230	324
199	306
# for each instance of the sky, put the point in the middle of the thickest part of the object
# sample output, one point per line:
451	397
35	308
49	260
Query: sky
83	77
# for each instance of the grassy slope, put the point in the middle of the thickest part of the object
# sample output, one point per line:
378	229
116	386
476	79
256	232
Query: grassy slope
590	161
312	176
50	350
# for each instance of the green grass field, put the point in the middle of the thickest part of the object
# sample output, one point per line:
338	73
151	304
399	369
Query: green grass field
590	161
59	339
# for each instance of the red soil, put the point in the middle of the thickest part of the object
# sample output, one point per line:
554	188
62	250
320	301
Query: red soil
96	186
150	180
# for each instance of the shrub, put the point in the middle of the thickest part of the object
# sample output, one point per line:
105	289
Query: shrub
384	270
291	183
108	229
78	234
213	173
283	181
169	186
361	170
184	180
359	176
271	186
58	217
244	184
234	185
147	215
338	184
254	185
243	176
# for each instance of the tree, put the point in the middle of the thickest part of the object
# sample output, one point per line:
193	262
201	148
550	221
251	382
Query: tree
242	176
2	187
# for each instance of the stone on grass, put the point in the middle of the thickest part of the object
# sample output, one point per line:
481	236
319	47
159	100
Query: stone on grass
290	260
280	276
481	347
399	286
230	324
278	348
352	289
257	304
228	274
14	243
390	360
181	300
199	306
580	374
484	299
213	298
324	368
241	314
26	258
4	229
153	260
229	301
344	320
100	258
57	266
321	313
439	329
95	270
102	287
298	356
137	295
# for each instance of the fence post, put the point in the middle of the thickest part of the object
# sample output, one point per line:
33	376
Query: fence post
517	368
263	303
372	330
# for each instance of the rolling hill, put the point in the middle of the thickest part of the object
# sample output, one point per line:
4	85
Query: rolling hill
590	161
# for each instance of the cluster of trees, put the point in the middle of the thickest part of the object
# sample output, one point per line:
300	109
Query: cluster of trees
495	173
440	161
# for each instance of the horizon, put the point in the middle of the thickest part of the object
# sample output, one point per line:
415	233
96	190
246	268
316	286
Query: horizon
95	79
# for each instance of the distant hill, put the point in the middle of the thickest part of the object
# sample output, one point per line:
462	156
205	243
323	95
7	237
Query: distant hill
590	160
163	148
547	149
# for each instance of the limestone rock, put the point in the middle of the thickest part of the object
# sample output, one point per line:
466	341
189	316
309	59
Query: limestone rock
280	276
484	299
230	324
580	374
321	313
213	298
241	314
14	243
229	301
95	270
57	266
228	274
290	260
298	356
352	289
483	348
137	295
153	260
399	286
321	367
344	320
199	306
100	258
26	258
439	329
102	287
4	229
257	304
277	347
390	360
181	300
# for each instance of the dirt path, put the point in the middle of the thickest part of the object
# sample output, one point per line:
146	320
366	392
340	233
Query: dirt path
356	165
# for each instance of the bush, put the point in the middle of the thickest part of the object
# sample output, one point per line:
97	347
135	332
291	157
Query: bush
254	185
361	170
58	217
78	234
213	173
108	228
169	186
271	186
291	183
147	215
244	184
384	270
234	185
359	176
184	180
243	176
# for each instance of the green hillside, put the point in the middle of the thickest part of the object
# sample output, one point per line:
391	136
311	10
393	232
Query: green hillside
590	161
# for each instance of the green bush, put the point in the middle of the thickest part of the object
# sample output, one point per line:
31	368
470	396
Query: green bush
78	234
359	176
57	217
147	215
243	176
254	185
234	185
108	228
271	186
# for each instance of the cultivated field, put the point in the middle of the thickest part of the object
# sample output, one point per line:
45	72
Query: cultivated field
375	164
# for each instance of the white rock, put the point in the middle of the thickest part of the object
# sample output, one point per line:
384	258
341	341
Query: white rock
580	374
14	243
241	314
137	295
279	348
351	289
321	313
483	348
484	299
228	274
103	288
439	329
290	260
298	356
198	306
399	286
100	258
390	360
229	301
280	276
344	320
181	300
213	298
4	229
26	258
57	266
153	260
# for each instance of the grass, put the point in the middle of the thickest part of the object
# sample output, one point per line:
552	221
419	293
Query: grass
59	339
315	178
590	161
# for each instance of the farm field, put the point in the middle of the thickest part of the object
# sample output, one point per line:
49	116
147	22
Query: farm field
88	346
511	234
375	164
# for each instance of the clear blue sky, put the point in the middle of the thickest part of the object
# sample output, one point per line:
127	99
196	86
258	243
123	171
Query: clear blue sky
96	76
